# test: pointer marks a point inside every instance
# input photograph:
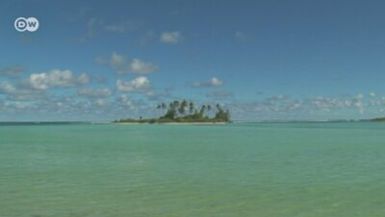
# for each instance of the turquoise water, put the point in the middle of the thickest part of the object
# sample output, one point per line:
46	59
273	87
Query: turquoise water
263	170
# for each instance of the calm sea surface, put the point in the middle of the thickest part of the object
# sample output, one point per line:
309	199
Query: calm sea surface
258	170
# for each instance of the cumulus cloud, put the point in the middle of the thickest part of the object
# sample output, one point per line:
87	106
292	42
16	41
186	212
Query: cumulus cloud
11	71
171	37
138	84
333	103
313	108
18	105
19	92
336	103
56	78
7	88
140	67
101	102
83	79
97	93
213	82
122	64
360	96
125	101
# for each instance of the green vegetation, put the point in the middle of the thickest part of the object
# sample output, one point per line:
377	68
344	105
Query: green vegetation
185	112
378	119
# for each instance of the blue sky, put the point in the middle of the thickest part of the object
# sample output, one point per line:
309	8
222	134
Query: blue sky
264	60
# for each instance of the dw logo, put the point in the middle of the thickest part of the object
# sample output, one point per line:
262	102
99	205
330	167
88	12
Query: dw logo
30	24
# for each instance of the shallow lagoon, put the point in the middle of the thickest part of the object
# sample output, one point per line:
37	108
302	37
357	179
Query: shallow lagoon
264	170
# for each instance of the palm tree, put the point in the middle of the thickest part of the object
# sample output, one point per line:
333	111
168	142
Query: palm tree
219	108
171	111
182	107
175	104
163	105
222	115
186	111
159	106
191	107
202	111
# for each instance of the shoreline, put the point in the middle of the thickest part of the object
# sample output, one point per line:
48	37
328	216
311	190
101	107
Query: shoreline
173	123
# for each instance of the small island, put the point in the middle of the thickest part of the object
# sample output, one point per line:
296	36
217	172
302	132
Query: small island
378	119
185	112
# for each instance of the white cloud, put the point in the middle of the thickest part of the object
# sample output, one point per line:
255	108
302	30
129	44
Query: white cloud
216	82
125	101
360	96
56	78
83	79
328	103
213	82
123	65
19	92
140	67
88	92
19	105
101	102
39	81
313	108
117	60
138	84
171	37
7	88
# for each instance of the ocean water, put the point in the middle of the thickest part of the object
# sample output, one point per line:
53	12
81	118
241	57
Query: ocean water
259	170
